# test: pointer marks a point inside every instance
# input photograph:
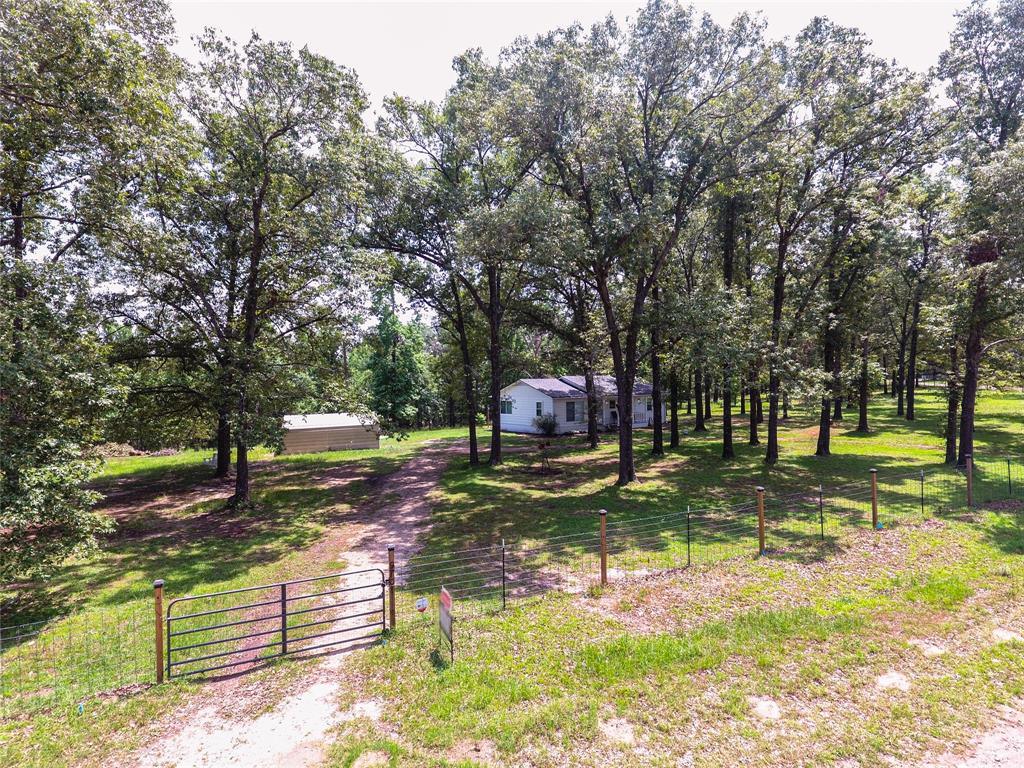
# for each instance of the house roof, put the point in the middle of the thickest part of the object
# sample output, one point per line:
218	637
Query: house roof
327	420
553	387
575	387
605	385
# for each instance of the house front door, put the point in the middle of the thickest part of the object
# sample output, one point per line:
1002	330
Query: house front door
613	414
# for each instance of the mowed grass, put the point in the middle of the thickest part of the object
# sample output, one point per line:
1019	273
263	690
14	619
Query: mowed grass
679	661
95	613
195	544
535	652
518	503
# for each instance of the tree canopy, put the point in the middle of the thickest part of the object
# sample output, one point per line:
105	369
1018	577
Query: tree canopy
190	250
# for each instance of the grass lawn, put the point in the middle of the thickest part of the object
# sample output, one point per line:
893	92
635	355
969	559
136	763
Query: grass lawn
195	545
516	502
545	675
671	669
95	613
667	669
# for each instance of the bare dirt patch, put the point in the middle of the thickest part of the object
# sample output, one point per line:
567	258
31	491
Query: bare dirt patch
618	731
1000	747
374	759
476	752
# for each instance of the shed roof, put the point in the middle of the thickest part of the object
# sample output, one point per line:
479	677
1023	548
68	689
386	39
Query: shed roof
327	420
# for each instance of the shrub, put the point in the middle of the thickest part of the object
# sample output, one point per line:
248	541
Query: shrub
546	424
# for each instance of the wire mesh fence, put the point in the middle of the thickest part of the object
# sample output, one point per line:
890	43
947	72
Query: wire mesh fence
47	663
799	524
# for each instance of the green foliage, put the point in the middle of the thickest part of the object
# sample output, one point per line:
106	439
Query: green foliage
82	98
54	392
236	252
546	423
400	392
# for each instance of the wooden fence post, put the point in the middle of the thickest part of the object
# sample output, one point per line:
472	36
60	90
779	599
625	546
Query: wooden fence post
970	481
158	605
391	586
874	499
760	520
604	547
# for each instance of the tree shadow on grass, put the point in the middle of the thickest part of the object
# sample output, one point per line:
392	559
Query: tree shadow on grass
203	545
1003	527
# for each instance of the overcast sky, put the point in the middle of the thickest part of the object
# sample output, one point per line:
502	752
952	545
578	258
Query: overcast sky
407	47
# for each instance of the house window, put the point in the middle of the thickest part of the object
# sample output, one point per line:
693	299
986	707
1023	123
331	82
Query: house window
650	405
540	409
570	411
506	407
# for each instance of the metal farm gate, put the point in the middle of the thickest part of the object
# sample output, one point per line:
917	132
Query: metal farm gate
238	627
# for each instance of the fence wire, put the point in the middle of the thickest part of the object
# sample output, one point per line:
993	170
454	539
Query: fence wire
65	660
802	524
47	663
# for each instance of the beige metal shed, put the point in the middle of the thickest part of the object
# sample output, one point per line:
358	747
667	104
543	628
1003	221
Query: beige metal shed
317	432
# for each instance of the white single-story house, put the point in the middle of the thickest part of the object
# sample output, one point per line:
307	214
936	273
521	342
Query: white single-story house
317	432
566	398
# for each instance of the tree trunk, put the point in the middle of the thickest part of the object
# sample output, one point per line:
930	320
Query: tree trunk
823	447
972	364
223	445
837	382
698	395
250	329
625	361
728	451
952	404
689	392
673	379
627	470
824	428
743	398
901	371
912	363
755	409
11	480
772	454
494	357
588	379
468	384
707	396
729	239
241	496
658	448
862	419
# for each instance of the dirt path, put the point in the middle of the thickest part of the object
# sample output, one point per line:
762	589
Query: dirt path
226	727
